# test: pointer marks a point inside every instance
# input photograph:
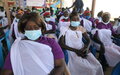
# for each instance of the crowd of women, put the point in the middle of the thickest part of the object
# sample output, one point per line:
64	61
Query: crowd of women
63	42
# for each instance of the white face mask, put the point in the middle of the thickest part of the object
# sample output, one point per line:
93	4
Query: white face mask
81	14
33	34
47	19
34	10
75	23
66	17
17	20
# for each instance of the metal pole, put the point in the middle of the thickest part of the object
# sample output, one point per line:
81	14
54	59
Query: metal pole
7	11
93	7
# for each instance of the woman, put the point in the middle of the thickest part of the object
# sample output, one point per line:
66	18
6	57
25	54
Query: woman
105	24
99	17
50	26
117	25
87	15
4	30
35	54
14	27
64	20
81	61
112	51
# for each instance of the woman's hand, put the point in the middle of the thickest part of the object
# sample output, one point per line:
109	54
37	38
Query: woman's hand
81	53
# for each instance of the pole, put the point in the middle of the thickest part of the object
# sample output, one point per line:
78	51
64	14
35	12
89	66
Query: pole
19	3
50	3
7	11
73	0
93	7
60	3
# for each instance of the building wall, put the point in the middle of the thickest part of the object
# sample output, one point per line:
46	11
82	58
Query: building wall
11	3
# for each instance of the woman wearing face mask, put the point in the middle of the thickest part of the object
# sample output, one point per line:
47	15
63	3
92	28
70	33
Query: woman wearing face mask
87	15
81	61
14	33
50	26
35	54
105	24
112	51
64	16
64	21
4	27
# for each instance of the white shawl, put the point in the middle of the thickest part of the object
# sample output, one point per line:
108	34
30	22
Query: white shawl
31	58
87	24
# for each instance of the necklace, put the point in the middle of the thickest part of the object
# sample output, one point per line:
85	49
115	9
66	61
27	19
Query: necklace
77	34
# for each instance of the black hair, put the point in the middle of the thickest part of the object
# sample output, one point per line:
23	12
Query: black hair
74	13
2	9
33	16
100	14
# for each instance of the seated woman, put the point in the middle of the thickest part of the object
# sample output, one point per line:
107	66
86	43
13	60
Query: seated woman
35	54
50	26
112	51
87	15
84	22
81	61
105	24
64	21
118	26
3	44
4	29
14	27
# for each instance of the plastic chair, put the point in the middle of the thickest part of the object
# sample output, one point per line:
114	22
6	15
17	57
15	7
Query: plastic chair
116	70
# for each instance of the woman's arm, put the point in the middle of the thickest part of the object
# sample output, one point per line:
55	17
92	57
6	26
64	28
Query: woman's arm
66	72
63	45
97	40
87	44
59	67
85	49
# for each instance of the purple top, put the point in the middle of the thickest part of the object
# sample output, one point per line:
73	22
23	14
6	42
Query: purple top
53	25
56	50
82	23
92	20
103	26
